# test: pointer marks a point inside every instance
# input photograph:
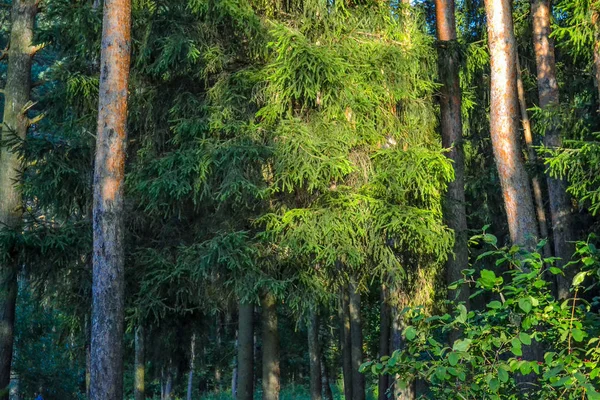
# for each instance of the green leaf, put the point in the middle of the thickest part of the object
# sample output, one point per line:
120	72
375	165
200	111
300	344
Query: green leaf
462	345
410	333
494	384
453	358
579	278
525	305
578	334
525	338
502	375
494	305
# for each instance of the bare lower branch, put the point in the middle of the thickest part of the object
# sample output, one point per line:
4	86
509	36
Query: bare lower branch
36	119
34	49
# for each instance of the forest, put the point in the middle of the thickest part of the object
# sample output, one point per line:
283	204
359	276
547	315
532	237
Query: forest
299	199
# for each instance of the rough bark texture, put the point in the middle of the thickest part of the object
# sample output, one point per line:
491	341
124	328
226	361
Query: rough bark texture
327	393
358	379
504	124
346	342
538	196
15	122
108	287
140	364
245	355
560	202
408	393
451	127
384	340
314	355
270	348
191	371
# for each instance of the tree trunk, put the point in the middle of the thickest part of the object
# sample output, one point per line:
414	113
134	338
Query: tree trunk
384	339
535	181
245	361
451	127
358	379
396	344
328	394
234	373
169	384
346	342
504	125
191	372
15	123
270	348
140	364
314	352
560	202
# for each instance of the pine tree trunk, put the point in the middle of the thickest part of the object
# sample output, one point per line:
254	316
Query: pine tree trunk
234	373
245	358
314	352
358	379
560	202
191	371
169	384
140	364
346	342
451	127
504	124
384	339
108	287
535	181
408	393
15	123
270	348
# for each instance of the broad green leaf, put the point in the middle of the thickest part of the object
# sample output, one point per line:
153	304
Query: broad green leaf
525	338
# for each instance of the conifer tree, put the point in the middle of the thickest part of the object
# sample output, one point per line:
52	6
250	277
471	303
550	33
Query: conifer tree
108	257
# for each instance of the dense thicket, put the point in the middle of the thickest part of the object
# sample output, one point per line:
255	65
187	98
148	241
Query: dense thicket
300	183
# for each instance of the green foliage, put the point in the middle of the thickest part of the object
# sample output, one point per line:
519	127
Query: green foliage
522	332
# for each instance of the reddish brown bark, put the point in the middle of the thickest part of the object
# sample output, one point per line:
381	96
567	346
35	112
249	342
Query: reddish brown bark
15	122
504	124
108	269
560	202
451	126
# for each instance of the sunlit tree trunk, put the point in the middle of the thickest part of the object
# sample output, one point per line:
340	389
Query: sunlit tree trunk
15	123
245	355
108	287
314	353
140	364
504	124
346	342
270	348
560	202
384	339
451	127
356	336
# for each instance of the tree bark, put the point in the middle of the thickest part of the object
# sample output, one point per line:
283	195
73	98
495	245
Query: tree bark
384	339
560	202
191	371
538	196
346	342
270	348
328	394
15	123
108	287
140	364
234	373
358	379
408	393
504	125
451	127
245	355
314	352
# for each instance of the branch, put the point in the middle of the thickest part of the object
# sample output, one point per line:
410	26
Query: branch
34	49
4	53
36	119
28	106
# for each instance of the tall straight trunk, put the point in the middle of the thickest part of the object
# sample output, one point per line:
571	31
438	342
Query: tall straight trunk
346	342
245	355
15	123
270	348
504	124
536	185
191	371
356	336
409	392
384	339
234	373
451	126
140	364
169	384
314	352
108	286
327	393
560	202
